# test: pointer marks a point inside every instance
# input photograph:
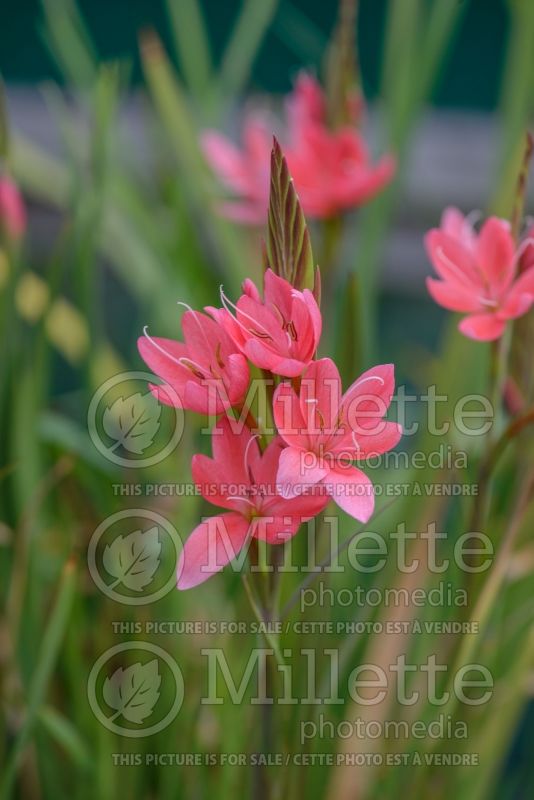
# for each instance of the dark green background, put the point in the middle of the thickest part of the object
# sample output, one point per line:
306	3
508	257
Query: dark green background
470	78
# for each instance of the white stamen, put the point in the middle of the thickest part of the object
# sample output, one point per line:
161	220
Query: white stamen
227	302
185	305
160	348
247	448
241	499
355	441
369	378
195	317
485	301
187	362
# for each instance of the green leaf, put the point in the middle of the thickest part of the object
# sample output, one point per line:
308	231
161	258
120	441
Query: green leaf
69	42
191	43
44	668
66	735
289	252
245	42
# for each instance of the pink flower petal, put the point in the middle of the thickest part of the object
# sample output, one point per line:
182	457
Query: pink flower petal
524	284
320	396
275	529
301	508
452	260
225	159
315	314
206	397
168	395
238	375
367	400
482	327
201	334
456	225
453	296
288	417
264	357
207	476
354	190
515	306
212	545
13	217
278	292
496	252
385	436
298	470
235	450
352	491
162	357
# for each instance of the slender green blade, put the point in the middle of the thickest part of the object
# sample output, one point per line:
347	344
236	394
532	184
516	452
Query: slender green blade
46	660
191	43
243	47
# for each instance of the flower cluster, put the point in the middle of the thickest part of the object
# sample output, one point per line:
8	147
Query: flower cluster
332	169
484	274
319	433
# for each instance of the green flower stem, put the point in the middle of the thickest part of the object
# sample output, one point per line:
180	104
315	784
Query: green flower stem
46	660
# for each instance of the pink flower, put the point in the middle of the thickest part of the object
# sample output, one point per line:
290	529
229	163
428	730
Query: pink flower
326	431
207	374
241	479
306	105
279	333
478	274
246	171
12	210
332	170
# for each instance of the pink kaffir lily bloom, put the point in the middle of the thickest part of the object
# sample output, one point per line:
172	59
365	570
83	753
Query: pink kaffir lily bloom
326	431
279	333
332	170
12	209
242	480
207	374
478	273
